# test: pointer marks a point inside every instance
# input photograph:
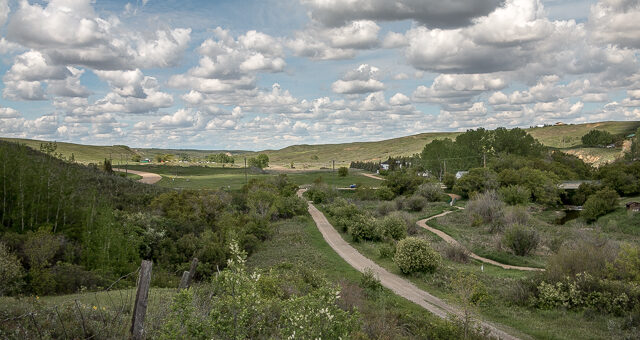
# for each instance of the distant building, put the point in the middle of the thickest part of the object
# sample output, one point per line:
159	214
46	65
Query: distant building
540	125
459	174
384	166
631	135
560	124
146	160
633	206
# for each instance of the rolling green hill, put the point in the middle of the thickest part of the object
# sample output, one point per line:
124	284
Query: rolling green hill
82	153
560	136
565	137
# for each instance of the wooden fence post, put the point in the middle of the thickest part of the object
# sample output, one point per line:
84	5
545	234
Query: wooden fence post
192	271
183	281
140	306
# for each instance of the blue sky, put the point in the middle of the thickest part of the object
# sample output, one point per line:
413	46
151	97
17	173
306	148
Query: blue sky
272	73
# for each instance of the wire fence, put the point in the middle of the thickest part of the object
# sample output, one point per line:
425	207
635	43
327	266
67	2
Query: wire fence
103	314
96	315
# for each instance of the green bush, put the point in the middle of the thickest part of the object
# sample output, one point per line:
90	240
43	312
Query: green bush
414	203
416	255
597	138
515	194
403	182
521	240
290	206
387	250
321	193
600	203
431	191
385	208
363	227
449	180
343	171
394	227
485	208
385	194
11	271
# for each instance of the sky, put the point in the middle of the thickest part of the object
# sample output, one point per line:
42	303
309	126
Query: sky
265	74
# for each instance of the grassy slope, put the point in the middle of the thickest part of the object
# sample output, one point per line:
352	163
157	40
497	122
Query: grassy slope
344	153
83	153
406	146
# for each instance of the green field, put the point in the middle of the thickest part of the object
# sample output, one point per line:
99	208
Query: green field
234	178
567	136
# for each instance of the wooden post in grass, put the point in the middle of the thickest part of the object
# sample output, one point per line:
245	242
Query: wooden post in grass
185	282
142	295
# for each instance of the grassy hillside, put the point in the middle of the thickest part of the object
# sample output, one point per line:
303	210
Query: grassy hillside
323	154
566	136
562	136
82	153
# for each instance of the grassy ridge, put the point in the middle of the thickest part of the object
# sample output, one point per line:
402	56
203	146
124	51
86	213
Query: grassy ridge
322	155
82	153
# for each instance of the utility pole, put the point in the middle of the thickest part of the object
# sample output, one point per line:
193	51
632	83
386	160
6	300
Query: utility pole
334	165
484	159
445	166
245	171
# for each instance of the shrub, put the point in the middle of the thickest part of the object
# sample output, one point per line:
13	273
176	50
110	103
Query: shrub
431	191
521	240
385	194
365	193
597	138
627	264
364	228
402	182
449	180
415	203
370	282
343	171
290	206
456	253
516	215
321	193
515	194
416	255
387	250
485	208
587	255
385	208
600	203
394	227
412	227
11	271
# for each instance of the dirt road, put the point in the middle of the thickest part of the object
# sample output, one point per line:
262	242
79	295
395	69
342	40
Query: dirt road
373	176
147	177
394	282
452	241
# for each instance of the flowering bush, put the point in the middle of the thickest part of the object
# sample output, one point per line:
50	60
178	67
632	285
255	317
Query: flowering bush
416	255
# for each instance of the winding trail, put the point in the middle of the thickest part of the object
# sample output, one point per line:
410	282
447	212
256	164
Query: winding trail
452	241
147	177
395	283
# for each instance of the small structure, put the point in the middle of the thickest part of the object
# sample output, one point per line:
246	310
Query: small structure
611	146
384	166
459	174
633	206
631	135
146	160
560	124
540	125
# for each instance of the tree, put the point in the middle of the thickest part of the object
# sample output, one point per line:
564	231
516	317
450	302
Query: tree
597	138
11	271
521	240
261	161
106	166
476	181
402	182
343	171
136	158
600	203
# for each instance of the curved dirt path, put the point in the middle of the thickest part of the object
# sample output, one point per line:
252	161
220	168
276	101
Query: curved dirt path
147	177
452	241
373	176
394	282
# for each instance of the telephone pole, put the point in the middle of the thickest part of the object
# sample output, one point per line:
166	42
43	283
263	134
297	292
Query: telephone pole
245	171
484	159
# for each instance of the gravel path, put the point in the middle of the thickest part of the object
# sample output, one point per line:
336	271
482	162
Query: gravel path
373	176
452	241
394	282
147	177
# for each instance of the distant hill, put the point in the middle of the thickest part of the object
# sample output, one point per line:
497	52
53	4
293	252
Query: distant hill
565	137
559	136
82	153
